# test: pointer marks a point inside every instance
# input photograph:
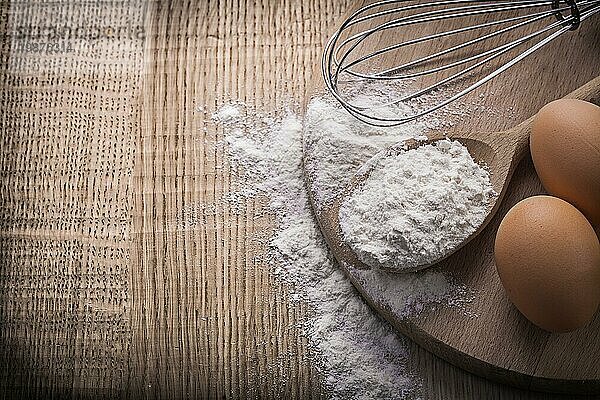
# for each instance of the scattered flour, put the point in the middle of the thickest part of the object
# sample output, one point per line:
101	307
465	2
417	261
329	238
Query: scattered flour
227	113
336	144
426	288
359	355
416	206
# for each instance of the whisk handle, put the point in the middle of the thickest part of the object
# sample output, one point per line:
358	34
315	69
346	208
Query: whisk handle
575	14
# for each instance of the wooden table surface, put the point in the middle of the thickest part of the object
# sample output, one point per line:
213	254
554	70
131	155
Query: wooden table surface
104	147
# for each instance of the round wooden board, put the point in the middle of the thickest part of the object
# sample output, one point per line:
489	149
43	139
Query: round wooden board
499	343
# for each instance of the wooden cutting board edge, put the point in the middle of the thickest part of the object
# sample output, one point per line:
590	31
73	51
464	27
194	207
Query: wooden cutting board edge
461	359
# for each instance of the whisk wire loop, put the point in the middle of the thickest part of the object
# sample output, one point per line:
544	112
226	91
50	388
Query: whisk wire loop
341	57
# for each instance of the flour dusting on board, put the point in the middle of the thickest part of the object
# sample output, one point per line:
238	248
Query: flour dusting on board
358	354
337	144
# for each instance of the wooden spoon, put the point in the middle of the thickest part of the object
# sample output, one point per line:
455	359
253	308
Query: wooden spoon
499	151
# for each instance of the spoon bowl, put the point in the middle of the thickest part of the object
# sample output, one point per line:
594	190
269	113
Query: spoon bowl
499	152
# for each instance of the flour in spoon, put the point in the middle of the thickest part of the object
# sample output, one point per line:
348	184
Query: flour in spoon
416	206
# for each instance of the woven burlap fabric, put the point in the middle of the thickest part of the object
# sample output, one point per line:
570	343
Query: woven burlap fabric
71	76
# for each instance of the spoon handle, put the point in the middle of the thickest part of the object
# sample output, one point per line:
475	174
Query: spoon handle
520	133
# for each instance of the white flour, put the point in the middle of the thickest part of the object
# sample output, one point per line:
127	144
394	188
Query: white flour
416	206
336	143
358	354
227	113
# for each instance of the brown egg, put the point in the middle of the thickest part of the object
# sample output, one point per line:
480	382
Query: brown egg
548	259
565	147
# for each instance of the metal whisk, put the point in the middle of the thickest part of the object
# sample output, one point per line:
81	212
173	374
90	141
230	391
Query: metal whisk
347	50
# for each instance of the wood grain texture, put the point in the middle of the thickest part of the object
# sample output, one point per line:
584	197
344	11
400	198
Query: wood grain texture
211	319
121	275
68	131
499	343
